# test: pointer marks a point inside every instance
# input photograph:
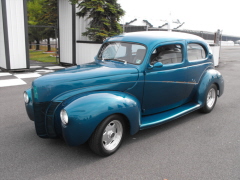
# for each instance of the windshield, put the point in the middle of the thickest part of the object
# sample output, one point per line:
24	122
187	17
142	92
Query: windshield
126	52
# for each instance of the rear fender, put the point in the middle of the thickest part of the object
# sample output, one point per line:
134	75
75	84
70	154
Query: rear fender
211	76
90	109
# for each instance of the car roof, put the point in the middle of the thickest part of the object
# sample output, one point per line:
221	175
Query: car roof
146	37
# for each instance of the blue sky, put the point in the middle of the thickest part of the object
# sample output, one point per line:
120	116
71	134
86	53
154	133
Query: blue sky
206	15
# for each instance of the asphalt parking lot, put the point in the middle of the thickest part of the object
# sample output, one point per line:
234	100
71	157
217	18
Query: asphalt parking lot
194	147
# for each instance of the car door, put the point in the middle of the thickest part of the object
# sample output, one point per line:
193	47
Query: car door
166	87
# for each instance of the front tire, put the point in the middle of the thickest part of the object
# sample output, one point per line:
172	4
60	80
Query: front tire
108	136
210	99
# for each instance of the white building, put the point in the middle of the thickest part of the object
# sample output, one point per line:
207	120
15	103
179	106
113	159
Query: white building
13	34
14	53
74	48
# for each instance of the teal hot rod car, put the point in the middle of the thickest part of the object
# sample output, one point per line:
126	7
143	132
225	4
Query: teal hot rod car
137	81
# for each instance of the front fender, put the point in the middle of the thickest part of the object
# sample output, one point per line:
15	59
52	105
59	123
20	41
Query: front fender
211	76
87	111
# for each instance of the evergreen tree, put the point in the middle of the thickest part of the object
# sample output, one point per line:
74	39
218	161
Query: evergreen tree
104	16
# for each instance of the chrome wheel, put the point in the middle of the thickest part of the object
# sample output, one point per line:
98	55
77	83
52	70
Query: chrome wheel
108	136
112	135
211	97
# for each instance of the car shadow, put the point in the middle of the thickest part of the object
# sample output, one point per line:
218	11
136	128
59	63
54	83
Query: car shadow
158	130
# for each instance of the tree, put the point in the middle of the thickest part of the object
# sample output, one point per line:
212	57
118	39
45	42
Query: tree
49	18
42	13
104	15
34	13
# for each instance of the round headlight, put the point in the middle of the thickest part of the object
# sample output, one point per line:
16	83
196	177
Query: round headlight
64	116
26	98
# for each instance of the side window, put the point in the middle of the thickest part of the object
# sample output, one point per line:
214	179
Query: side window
195	52
168	54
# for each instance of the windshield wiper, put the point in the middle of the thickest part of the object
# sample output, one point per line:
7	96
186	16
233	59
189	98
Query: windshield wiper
122	60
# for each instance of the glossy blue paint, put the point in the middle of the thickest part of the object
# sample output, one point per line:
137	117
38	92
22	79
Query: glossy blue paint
157	65
160	118
210	76
88	110
146	94
117	75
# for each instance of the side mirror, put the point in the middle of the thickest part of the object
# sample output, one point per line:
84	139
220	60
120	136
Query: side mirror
157	65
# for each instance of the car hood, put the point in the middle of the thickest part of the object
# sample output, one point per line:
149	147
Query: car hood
120	76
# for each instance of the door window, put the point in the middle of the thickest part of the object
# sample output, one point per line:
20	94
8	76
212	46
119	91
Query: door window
168	54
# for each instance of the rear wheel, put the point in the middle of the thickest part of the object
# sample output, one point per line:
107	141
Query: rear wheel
108	136
210	99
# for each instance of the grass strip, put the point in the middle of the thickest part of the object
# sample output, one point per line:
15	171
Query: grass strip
40	56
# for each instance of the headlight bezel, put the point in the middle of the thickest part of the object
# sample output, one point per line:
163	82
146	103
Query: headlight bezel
64	117
26	97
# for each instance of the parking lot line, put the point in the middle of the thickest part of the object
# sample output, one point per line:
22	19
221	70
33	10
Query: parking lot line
11	82
5	74
27	75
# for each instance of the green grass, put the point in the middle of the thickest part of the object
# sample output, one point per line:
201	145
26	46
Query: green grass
40	56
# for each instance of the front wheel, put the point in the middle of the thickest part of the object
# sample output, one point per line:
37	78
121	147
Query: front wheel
210	99
108	136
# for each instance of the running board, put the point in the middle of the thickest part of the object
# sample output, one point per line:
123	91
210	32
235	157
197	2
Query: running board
157	119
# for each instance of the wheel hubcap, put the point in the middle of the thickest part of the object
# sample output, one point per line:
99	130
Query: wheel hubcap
211	97
112	135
